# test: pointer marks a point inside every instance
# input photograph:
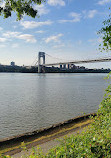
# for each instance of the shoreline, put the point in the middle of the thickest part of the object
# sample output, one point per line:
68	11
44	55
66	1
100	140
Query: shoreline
12	145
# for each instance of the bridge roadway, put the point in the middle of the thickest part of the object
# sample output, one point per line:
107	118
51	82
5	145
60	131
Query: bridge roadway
80	61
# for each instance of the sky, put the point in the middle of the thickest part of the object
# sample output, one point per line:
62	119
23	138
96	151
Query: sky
65	29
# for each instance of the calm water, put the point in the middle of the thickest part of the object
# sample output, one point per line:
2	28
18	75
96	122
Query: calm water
31	101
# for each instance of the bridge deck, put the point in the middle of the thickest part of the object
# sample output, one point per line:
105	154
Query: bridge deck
80	61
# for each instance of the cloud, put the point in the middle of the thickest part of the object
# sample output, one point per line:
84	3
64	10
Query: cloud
102	2
76	18
18	35
1	28
59	46
95	41
40	31
2	45
41	9
53	38
33	24
56	2
10	34
27	38
3	39
14	26
79	42
15	45
90	13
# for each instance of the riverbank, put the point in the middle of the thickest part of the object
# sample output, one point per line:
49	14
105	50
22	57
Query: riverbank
13	145
94	141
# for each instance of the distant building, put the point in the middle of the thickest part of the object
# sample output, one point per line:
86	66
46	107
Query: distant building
68	66
64	66
82	68
12	63
74	67
77	67
60	66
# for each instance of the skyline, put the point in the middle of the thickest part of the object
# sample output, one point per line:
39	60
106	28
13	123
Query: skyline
65	29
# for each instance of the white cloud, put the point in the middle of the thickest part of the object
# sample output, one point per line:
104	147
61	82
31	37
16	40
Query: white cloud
2	45
95	41
76	18
15	45
102	2
33	24
59	46
41	9
27	38
10	34
40	31
56	2
79	42
14	26
90	13
64	21
3	39
53	38
1	28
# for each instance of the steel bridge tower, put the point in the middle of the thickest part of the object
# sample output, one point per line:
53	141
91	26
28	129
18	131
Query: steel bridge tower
40	55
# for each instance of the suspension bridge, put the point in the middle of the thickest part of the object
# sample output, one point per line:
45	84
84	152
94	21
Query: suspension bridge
42	63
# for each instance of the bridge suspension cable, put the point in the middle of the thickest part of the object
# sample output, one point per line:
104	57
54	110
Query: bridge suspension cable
34	62
53	57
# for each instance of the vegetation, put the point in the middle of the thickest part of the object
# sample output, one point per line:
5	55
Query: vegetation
21	7
105	33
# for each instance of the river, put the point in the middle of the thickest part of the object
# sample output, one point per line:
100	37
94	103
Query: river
29	102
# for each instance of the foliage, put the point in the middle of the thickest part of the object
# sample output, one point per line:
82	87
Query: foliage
106	35
21	7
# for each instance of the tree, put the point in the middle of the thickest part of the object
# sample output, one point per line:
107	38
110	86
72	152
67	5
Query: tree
106	44
21	7
106	35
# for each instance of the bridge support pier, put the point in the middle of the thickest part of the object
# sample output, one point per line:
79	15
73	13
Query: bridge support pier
40	55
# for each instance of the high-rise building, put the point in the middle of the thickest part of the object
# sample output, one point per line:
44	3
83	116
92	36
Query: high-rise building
64	66
60	66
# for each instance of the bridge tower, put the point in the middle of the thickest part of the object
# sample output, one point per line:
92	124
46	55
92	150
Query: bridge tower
40	55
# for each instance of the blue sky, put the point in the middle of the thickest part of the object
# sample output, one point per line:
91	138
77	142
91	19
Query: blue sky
66	29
